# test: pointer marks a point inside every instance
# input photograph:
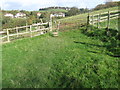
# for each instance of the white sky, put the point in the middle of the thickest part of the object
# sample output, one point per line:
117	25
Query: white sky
36	4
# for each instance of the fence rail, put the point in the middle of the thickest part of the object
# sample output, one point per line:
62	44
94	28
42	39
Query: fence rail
10	34
106	16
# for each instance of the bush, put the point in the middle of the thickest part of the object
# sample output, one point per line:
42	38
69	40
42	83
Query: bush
109	37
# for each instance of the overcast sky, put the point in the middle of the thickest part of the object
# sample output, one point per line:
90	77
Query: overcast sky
36	4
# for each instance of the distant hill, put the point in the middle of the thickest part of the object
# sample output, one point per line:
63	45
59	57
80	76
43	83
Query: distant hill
64	8
107	5
54	10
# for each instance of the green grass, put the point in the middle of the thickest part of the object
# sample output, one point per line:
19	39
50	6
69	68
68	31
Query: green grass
42	61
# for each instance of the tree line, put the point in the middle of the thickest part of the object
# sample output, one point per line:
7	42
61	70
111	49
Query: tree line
56	7
107	5
75	10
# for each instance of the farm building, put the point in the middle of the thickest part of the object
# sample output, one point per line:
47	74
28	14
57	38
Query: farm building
58	15
18	15
38	14
9	15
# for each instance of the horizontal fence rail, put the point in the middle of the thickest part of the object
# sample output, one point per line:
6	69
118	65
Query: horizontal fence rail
106	16
33	30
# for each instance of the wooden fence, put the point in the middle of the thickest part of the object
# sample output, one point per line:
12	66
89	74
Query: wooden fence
96	19
7	35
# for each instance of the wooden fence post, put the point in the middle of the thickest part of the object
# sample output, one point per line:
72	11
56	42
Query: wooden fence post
88	21
8	38
58	26
98	20
108	23
37	26
17	31
30	30
92	20
26	27
50	23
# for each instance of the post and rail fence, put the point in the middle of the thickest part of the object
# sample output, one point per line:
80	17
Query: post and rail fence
7	35
10	34
96	19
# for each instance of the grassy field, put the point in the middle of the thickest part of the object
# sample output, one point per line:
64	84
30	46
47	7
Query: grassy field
42	61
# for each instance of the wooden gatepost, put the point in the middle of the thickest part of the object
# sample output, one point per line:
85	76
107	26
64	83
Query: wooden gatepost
55	33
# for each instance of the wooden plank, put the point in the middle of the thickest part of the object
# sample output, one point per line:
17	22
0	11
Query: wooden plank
40	30
114	15
36	35
104	17
103	20
111	11
2	32
114	11
19	34
95	15
99	21
39	24
3	37
95	19
26	26
104	13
